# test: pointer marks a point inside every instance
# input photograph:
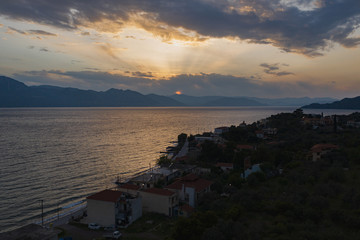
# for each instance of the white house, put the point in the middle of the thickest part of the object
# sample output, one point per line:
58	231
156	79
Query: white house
318	150
160	201
157	200
190	188
226	167
221	130
112	208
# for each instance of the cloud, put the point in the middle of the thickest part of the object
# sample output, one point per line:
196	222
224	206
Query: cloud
44	49
190	84
299	26
11	30
41	32
30	32
273	69
142	74
109	50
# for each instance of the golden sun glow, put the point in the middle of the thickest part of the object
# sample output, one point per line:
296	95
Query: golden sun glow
178	92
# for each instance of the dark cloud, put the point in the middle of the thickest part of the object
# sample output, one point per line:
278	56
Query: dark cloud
31	32
190	84
44	49
142	74
85	33
12	30
300	26
41	32
75	61
273	69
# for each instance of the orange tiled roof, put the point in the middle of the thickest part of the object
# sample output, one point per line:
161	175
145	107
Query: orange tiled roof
223	164
187	208
106	195
159	191
191	180
130	186
239	146
323	147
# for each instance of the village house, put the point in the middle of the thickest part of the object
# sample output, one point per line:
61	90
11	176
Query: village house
220	130
242	125
156	200
185	210
318	150
241	147
147	179
226	167
252	169
270	131
260	134
353	123
201	139
113	208
161	201
190	188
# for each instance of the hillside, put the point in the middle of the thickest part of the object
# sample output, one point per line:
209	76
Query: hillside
346	103
16	94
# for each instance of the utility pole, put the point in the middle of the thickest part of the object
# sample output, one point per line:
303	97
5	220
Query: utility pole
42	212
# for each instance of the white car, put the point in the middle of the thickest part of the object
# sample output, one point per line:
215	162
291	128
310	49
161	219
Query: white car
93	226
114	235
117	235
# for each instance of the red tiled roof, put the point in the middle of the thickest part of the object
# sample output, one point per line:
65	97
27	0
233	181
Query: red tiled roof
322	147
106	195
223	164
183	158
244	147
187	208
130	186
159	191
222	128
191	180
190	177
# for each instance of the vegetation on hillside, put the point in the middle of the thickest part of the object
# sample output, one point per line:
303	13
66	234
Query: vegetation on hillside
293	197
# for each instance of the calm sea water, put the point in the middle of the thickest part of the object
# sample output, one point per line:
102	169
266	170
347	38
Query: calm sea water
62	155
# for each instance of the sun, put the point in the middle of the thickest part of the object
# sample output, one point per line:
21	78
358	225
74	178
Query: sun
178	92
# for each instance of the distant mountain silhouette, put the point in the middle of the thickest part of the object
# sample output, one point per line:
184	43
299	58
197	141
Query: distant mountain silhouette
232	101
346	103
194	101
293	101
16	94
243	101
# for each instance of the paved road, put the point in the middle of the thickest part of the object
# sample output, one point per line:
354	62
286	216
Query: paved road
184	150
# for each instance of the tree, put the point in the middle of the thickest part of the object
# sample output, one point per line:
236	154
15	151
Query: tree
163	160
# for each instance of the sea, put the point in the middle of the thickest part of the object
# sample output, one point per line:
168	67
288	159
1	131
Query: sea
51	159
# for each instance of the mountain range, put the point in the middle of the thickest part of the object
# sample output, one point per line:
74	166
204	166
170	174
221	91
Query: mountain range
346	103
16	94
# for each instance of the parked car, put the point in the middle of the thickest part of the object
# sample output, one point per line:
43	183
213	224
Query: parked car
110	228
117	235
93	226
114	235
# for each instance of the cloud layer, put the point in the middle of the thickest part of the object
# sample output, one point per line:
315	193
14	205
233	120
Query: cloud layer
301	26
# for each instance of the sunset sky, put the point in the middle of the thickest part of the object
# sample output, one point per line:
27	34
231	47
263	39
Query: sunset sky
263	48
